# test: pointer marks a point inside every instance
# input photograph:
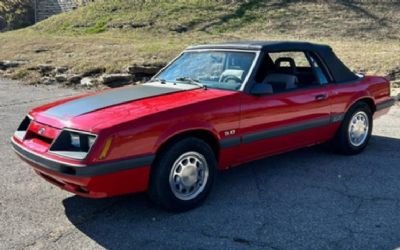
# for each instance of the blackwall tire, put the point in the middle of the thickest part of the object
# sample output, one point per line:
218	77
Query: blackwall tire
182	175
355	131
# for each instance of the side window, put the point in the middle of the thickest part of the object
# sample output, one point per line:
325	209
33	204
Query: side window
291	70
288	70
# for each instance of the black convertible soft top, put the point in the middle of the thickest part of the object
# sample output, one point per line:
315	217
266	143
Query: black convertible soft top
338	70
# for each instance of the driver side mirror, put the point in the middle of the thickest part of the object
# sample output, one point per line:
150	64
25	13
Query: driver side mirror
262	89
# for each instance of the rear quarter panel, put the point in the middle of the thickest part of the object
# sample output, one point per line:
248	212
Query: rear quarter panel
344	95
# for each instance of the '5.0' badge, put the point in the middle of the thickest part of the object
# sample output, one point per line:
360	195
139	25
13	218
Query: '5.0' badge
230	132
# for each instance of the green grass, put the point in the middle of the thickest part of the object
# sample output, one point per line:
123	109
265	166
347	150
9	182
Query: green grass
364	34
362	20
162	15
99	27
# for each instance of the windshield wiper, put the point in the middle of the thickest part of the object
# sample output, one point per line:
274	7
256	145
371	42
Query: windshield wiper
191	81
163	81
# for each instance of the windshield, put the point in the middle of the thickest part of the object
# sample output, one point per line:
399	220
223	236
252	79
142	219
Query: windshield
213	69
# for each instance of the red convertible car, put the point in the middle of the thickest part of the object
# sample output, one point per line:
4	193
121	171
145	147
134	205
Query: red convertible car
213	107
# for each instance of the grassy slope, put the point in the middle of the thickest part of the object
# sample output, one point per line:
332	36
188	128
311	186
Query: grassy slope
365	35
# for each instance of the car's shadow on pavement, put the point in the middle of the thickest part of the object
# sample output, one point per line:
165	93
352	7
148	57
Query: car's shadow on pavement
309	198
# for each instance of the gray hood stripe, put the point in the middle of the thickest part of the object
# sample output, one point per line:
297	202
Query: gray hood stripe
114	97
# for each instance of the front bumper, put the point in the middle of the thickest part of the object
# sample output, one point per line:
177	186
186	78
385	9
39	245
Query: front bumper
95	181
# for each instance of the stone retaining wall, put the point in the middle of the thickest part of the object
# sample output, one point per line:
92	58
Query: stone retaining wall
47	8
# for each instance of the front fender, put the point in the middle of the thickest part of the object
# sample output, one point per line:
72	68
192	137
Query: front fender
182	127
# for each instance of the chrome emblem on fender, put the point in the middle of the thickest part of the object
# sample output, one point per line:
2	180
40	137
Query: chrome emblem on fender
230	132
41	131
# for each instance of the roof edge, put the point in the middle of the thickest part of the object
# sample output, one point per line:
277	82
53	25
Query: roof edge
225	46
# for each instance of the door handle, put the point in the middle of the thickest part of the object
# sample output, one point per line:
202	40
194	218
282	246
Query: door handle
321	97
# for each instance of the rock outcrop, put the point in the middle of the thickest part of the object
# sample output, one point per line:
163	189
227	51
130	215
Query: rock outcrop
15	14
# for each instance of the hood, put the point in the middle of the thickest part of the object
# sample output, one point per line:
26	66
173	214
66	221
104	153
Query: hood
108	108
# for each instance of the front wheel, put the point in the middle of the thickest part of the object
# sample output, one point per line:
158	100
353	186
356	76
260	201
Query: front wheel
183	174
355	130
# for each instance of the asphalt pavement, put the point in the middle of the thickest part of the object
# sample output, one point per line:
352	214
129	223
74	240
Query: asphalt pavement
306	199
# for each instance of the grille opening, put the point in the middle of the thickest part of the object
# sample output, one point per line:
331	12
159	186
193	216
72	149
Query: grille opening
32	135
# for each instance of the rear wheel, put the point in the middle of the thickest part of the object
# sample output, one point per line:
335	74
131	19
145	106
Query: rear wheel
355	130
183	174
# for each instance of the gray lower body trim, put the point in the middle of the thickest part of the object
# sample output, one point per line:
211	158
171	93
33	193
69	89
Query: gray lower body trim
83	171
230	142
266	134
337	118
385	104
271	133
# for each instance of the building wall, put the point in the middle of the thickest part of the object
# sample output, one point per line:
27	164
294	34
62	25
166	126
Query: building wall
47	8
16	14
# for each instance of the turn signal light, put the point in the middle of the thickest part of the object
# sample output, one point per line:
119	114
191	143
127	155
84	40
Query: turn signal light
106	148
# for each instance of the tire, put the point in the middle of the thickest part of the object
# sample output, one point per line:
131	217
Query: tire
182	175
357	116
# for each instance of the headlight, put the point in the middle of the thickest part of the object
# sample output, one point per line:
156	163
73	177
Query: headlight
73	144
91	141
75	140
22	128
